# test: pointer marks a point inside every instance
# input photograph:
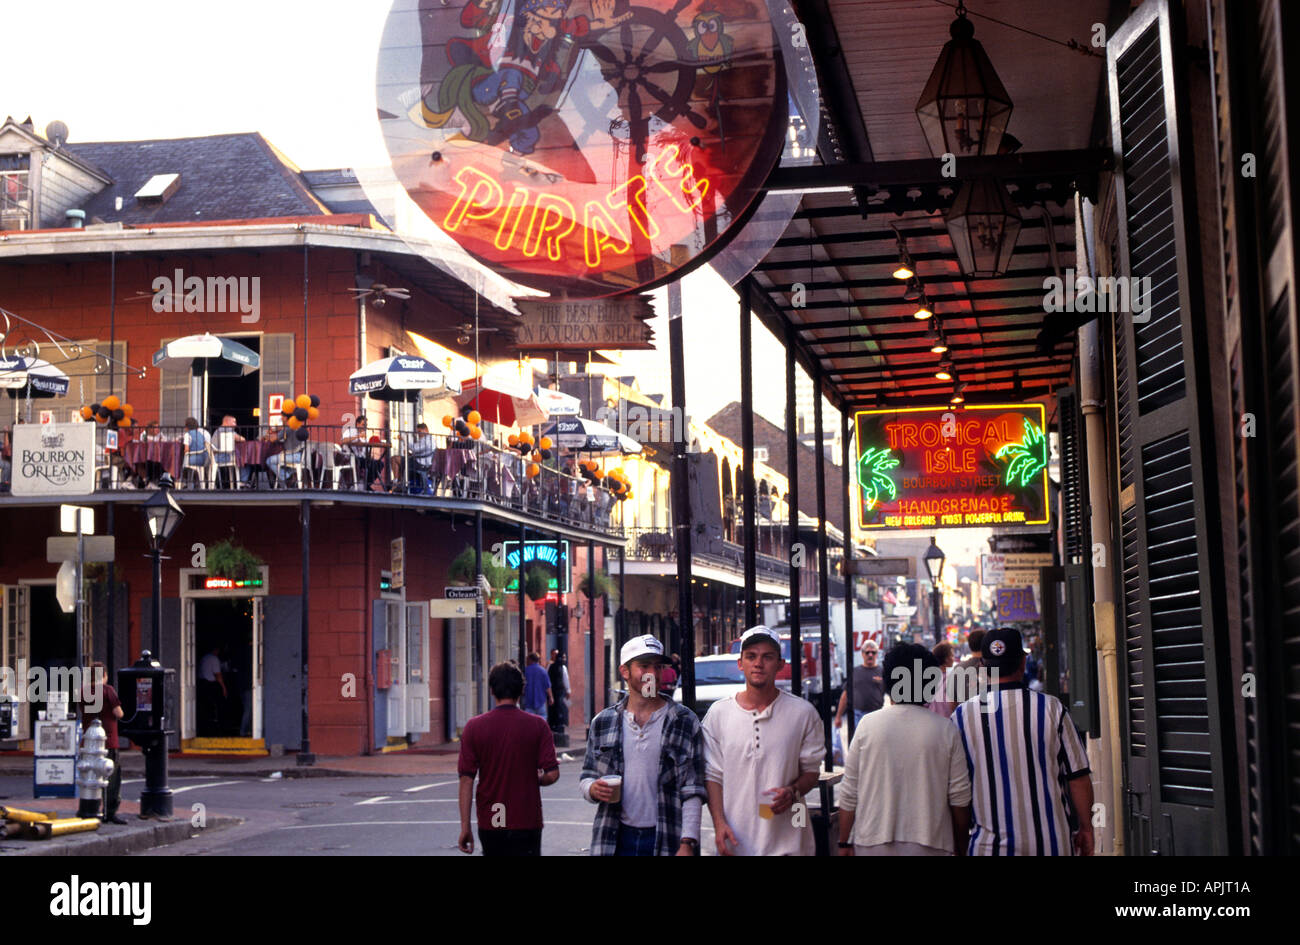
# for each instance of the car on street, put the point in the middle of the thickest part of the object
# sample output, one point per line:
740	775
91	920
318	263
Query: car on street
716	677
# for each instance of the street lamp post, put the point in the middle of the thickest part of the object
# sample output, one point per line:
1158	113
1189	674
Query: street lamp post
161	516
934	558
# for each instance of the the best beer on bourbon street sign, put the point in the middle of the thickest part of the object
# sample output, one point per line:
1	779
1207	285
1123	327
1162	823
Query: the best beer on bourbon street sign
584	324
941	467
570	145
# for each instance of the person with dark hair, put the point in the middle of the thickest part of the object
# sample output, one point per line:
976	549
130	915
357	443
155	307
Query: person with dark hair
943	702
100	701
1029	770
537	687
558	673
513	756
906	788
967	679
644	765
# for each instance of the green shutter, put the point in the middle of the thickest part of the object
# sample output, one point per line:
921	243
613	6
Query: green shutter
277	369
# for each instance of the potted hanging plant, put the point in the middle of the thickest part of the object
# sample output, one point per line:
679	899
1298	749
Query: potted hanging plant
605	587
537	584
461	570
229	560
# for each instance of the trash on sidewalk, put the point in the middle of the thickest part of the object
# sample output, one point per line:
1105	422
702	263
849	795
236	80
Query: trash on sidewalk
42	825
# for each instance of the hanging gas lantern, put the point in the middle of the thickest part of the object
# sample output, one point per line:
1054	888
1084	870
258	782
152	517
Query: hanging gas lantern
983	224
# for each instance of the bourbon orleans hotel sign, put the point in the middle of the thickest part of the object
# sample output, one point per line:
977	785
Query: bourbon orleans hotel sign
943	467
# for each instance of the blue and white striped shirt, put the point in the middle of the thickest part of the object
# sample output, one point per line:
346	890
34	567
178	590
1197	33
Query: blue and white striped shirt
1022	749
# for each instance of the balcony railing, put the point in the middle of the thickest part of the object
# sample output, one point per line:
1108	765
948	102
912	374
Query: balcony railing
335	459
658	544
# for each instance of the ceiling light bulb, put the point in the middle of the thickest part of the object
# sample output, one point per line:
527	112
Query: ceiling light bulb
922	312
944	373
957	399
903	273
939	347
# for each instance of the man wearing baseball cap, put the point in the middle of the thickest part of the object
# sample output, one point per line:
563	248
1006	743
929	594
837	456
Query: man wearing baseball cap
1030	790
644	765
762	749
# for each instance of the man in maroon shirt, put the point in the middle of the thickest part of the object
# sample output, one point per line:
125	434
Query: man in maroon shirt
512	754
100	701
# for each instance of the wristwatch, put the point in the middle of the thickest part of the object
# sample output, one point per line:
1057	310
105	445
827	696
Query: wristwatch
845	846
693	844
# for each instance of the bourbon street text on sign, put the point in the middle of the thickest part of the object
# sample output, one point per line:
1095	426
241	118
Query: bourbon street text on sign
570	324
940	467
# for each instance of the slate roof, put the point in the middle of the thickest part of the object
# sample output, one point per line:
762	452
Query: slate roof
223	177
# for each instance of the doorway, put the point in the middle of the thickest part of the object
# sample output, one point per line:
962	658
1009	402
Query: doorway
231	393
51	638
221	634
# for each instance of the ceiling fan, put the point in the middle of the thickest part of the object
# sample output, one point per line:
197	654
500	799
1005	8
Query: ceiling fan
380	293
464	332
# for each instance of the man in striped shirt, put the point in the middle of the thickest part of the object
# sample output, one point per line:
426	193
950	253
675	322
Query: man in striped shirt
1030	791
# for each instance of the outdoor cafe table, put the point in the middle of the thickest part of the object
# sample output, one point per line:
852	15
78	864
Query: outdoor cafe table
168	454
256	452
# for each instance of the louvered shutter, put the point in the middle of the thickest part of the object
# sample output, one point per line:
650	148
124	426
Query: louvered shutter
1278	512
1080	635
1173	595
277	368
174	395
109	378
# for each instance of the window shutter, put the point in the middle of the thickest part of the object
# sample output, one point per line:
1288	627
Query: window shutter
1168	507
1080	635
174	395
112	379
277	368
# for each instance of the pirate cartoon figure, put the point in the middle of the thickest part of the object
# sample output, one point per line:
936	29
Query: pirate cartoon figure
711	45
491	82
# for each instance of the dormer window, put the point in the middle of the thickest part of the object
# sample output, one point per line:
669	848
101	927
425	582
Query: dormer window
15	194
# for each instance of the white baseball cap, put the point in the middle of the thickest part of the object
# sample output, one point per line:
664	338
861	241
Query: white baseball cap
638	647
760	631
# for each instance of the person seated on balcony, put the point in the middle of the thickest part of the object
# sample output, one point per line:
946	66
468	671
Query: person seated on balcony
149	470
224	439
294	452
419	456
197	444
6	454
362	447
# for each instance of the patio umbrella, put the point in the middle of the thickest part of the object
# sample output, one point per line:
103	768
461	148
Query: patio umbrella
557	403
32	377
401	377
197	352
588	436
503	399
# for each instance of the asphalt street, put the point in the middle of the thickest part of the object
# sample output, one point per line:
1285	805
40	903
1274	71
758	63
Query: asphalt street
344	816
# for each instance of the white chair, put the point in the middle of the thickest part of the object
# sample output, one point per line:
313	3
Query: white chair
336	468
224	455
200	471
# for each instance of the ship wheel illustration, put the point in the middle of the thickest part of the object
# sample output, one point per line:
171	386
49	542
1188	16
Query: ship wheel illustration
648	63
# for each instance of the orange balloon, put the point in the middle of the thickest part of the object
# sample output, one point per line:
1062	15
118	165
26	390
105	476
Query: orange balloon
112	402
128	410
448	421
534	470
294	423
303	401
545	443
475	432
526	438
474	418
512	440
124	422
86	412
288	406
313	413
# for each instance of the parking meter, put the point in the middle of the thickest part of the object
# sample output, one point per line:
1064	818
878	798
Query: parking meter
8	717
143	690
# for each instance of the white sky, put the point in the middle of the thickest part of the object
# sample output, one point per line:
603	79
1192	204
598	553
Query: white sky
303	75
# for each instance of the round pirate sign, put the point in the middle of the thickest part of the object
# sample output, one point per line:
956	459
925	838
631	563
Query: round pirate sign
583	147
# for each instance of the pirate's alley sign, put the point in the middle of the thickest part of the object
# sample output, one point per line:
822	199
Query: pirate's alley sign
945	467
571	144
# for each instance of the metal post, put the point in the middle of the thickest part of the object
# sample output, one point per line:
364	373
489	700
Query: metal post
157	603
305	756
81	596
792	501
591	634
523	625
620	625
936	616
748	492
110	654
850	651
823	578
681	501
480	607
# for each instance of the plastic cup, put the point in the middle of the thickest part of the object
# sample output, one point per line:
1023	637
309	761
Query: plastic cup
615	782
765	810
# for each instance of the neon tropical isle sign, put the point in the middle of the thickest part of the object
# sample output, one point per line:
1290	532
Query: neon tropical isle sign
945	467
572	145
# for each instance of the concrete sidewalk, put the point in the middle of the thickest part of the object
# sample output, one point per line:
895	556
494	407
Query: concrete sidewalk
110	839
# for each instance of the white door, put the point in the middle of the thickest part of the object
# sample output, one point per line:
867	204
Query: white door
395	614
417	668
463	692
16	650
257	667
189	672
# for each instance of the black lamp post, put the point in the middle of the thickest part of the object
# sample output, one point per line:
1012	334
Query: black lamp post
161	516
934	558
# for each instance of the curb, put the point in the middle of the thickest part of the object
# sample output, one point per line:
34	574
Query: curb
117	844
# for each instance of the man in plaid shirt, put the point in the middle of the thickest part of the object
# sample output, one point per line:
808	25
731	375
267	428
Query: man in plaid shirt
656	750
